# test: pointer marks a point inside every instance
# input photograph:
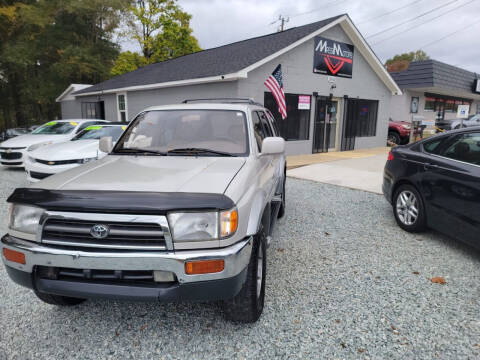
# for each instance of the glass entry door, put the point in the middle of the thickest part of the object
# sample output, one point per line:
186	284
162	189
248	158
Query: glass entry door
325	125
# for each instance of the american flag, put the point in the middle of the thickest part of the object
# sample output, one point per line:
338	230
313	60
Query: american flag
275	84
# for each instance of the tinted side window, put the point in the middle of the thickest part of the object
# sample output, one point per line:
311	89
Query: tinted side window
266	126
464	148
273	123
258	130
433	147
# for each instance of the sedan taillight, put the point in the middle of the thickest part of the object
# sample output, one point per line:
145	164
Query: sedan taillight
390	156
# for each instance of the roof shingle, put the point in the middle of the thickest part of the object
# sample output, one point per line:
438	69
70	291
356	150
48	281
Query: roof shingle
211	62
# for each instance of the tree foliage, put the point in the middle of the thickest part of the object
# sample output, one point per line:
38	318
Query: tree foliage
47	45
418	55
162	31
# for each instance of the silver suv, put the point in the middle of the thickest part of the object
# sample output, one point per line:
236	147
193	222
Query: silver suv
182	208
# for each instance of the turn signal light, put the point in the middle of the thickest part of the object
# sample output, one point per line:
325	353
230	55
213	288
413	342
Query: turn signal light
14	256
390	156
204	267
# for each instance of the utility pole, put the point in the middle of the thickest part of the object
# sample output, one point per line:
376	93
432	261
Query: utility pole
282	22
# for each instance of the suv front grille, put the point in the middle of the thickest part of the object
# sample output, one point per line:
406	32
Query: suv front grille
121	235
11	155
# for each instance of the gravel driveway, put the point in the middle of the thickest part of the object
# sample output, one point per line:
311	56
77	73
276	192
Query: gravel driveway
343	282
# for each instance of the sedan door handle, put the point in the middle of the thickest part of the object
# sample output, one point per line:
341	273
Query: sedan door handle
428	166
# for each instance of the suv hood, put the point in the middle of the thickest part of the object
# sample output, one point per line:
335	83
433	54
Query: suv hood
29	139
69	150
149	173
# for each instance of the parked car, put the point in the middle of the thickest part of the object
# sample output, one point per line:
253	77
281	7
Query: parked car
13	151
81	149
436	183
473	120
398	132
11	133
182	208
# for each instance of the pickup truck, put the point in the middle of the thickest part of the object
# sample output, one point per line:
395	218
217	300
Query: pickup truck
182	208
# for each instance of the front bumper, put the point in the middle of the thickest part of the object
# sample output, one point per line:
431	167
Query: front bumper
5	155
213	286
44	169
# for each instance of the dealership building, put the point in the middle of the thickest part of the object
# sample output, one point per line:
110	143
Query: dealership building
433	90
338	94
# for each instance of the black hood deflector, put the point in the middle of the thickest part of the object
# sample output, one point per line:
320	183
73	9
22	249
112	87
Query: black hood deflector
120	202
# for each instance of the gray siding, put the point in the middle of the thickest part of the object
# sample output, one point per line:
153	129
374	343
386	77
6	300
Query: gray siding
139	100
298	76
70	109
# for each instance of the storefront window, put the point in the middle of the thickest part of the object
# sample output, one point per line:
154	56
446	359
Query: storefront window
296	125
429	104
450	106
366	117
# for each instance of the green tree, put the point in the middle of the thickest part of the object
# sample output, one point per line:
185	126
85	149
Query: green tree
162	31
418	55
48	44
127	61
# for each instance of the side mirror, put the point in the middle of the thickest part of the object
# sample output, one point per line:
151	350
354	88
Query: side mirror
273	146
106	145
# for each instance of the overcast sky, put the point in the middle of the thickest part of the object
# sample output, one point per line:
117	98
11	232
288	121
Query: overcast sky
219	22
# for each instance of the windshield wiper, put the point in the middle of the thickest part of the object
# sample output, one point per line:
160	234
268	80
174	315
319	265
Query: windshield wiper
195	151
140	151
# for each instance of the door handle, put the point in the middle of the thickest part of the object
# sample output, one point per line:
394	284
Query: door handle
428	166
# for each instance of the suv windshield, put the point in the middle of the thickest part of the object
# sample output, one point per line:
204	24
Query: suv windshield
56	128
95	132
187	132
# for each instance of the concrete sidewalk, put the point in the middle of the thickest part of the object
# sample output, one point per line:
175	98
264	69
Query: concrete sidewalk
362	169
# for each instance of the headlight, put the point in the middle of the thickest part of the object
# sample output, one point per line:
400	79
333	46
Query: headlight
25	218
86	160
36	146
406	127
203	226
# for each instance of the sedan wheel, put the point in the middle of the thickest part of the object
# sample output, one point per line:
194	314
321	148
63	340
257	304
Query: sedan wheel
408	209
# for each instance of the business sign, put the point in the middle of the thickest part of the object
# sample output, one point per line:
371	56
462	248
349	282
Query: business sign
303	102
332	58
462	112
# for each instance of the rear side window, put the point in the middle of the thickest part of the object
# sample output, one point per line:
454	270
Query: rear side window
258	130
465	148
266	126
433	147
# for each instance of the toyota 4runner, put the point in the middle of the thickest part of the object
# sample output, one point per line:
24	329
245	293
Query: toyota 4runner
182	208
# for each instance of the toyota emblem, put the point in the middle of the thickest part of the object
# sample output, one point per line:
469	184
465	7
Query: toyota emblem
99	231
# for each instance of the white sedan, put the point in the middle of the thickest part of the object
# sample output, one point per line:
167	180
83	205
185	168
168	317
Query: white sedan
13	151
83	148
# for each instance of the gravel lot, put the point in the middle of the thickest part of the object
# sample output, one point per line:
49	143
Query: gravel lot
343	282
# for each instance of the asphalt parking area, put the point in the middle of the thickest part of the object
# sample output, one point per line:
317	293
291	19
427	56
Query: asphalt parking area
343	281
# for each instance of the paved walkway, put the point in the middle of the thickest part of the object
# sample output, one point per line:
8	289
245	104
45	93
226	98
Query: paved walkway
358	169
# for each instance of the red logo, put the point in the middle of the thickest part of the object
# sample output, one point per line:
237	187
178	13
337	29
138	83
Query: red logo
335	63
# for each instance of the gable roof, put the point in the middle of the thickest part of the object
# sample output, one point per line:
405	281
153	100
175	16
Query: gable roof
67	93
433	73
234	61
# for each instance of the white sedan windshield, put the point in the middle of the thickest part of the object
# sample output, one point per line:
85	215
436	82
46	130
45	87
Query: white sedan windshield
222	131
56	128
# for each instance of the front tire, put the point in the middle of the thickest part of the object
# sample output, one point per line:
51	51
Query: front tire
408	209
57	299
394	138
247	305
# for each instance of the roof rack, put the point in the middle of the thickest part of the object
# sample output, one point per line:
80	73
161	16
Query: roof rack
224	100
